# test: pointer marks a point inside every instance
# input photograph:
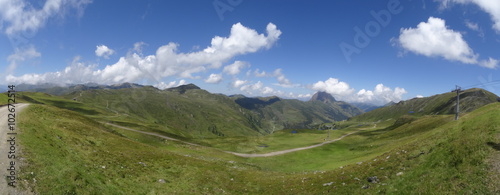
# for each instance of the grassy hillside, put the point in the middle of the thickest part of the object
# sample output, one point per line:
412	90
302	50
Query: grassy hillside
438	104
66	153
195	113
432	154
191	112
429	155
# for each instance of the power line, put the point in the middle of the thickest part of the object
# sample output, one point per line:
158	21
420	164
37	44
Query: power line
496	82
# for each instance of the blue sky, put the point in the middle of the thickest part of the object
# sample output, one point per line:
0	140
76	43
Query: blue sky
359	51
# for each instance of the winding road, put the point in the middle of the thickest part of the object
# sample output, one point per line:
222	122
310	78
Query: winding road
235	153
5	148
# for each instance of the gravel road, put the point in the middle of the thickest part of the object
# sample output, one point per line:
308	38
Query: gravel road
5	149
240	154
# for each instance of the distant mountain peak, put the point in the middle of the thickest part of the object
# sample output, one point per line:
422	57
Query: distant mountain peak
183	88
389	104
124	85
323	97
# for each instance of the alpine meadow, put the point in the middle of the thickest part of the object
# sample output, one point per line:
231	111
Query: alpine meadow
249	97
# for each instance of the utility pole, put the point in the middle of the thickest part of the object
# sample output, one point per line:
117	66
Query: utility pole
458	89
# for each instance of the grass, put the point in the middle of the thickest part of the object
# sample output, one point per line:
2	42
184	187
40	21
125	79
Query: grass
280	140
429	154
83	157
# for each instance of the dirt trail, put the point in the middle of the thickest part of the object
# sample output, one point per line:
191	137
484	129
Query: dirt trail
4	149
289	150
153	134
240	154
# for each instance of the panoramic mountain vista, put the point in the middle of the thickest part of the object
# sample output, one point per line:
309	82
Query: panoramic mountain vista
376	151
249	97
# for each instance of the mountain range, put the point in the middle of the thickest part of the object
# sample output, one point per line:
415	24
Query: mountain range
189	111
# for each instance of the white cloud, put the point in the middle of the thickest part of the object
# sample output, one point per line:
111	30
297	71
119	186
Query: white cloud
278	74
238	83
20	15
235	68
343	92
77	72
138	47
434	39
475	27
333	86
379	96
419	96
214	78
492	7
167	61
471	25
104	51
259	74
251	88
267	90
21	55
282	80
490	63
304	96
163	85
259	89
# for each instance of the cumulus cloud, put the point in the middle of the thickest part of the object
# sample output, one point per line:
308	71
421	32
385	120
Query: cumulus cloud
259	74
214	78
238	83
235	68
252	88
163	85
278	74
282	80
342	91
492	7
267	90
19	15
380	95
104	51
259	89
333	86
434	39
77	72
166	62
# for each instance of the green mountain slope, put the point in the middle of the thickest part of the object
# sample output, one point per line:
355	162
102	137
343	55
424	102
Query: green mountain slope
187	113
65	152
278	113
191	112
470	100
